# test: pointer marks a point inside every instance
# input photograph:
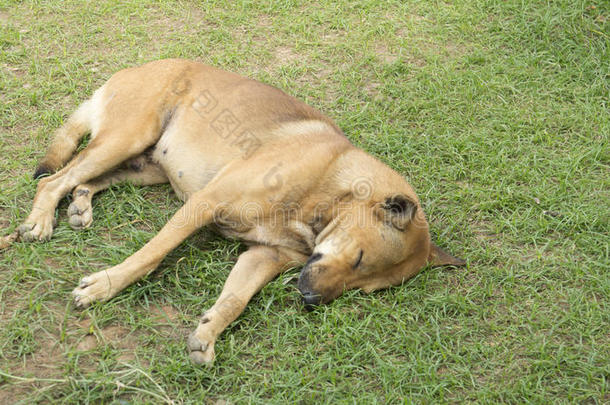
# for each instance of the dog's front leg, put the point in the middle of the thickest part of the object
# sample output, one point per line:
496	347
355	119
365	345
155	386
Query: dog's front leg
254	268
198	211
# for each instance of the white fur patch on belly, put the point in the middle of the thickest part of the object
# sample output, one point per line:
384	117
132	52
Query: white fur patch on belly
184	162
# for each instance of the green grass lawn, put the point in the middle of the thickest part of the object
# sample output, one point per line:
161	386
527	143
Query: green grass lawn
497	112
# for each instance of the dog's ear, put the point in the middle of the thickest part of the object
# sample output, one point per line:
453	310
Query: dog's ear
399	210
438	257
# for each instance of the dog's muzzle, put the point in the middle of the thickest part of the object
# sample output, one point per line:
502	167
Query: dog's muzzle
309	296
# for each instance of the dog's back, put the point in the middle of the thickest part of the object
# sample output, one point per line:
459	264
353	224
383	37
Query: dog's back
221	117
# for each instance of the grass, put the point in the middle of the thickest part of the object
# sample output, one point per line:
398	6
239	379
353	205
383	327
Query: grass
496	111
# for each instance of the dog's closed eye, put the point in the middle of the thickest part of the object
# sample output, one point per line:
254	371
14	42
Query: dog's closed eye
359	260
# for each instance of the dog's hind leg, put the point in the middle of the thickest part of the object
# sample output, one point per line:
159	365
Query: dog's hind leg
107	150
253	270
139	171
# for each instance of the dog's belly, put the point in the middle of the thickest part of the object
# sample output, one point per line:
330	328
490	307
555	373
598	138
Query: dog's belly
188	165
185	176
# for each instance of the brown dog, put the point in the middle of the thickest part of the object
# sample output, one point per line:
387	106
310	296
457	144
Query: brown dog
249	159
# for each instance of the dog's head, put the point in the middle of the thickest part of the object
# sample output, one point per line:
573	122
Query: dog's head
371	243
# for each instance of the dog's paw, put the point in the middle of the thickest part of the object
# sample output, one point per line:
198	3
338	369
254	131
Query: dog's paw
37	229
95	287
80	213
201	346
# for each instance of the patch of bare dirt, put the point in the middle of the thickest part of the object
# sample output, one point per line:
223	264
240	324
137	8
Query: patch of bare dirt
385	54
285	55
45	362
119	337
16	71
89	342
454	50
165	313
167	321
8	306
4	18
114	335
264	21
371	88
333	37
50	358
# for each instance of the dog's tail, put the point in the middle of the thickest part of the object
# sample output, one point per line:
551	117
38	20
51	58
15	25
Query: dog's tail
66	140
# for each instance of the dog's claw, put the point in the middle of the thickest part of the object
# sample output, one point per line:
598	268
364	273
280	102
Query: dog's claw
77	301
84	282
39	230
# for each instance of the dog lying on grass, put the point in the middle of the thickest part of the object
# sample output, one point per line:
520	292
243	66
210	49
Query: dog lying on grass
248	159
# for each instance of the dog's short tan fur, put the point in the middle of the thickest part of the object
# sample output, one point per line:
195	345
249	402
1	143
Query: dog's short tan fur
249	159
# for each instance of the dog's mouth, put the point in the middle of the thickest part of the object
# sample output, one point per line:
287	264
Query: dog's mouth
310	300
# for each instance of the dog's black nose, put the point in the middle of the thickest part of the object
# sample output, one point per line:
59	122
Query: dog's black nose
310	300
